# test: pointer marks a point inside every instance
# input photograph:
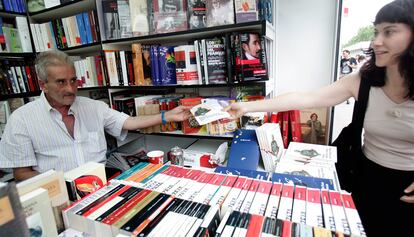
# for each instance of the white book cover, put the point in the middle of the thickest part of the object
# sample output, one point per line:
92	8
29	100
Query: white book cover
39	215
68	34
175	177
69	214
124	67
274	199
299	210
248	200
338	210
309	170
111	67
51	3
35	36
259	203
308	152
186	65
328	218
208	111
286	203
186	220
190	185
242	195
42	45
46	37
52	181
224	190
139	17
197	186
182	183
233	195
208	191
158	179
4	115
314	215
354	221
85	179
271	144
124	18
22	26
20	79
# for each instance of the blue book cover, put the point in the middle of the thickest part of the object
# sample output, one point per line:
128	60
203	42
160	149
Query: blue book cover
81	28
166	60
311	182
262	175
88	28
244	150
155	65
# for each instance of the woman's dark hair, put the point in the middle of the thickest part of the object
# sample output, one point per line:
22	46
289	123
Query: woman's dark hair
314	114
398	11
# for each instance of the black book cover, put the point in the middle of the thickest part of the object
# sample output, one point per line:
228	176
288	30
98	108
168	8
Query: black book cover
215	61
141	216
127	195
196	14
99	200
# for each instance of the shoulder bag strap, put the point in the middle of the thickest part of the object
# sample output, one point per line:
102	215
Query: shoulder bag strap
360	108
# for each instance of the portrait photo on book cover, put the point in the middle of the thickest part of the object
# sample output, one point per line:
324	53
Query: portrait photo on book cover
313	125
251	46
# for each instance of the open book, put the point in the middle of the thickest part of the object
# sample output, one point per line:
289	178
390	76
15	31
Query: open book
209	111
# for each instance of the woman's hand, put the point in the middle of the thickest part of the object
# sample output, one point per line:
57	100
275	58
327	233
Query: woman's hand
409	190
236	110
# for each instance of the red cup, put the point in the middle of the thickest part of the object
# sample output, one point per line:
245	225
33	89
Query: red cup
156	157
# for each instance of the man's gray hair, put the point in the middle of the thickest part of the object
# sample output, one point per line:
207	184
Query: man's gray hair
51	58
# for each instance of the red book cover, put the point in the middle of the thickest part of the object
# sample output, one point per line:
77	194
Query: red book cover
285	128
191	125
125	208
255	226
295	125
287	229
30	80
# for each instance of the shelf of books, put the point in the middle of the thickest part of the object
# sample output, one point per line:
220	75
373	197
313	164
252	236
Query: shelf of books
262	27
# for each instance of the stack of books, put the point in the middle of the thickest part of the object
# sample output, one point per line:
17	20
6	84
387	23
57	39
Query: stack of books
161	200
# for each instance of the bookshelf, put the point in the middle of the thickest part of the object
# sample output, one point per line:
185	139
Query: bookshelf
97	48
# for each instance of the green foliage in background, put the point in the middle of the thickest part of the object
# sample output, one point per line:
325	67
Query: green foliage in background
365	33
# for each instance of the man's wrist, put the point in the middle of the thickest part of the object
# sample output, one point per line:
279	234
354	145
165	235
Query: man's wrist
163	119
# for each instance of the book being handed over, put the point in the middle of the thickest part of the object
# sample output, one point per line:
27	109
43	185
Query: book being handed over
209	111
